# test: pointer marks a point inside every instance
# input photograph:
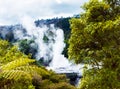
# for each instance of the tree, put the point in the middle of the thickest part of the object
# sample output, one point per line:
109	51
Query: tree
95	40
18	71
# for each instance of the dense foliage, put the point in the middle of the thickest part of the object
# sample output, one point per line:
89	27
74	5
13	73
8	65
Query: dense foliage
17	71
28	47
95	40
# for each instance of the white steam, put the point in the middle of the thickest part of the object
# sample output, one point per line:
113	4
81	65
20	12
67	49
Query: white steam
37	34
50	42
58	59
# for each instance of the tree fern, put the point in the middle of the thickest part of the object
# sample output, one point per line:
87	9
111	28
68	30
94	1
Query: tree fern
15	74
33	70
16	63
18	72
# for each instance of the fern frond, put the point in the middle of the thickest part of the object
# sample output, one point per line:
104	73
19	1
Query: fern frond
33	70
16	63
15	74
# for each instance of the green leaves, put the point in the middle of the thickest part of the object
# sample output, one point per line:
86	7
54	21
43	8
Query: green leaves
97	11
15	75
18	72
16	63
95	40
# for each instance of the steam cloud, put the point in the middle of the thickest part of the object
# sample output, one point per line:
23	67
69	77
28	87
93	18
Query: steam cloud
50	41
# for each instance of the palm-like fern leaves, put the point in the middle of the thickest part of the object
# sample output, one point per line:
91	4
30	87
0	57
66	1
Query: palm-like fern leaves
15	74
17	68
8	71
16	63
20	70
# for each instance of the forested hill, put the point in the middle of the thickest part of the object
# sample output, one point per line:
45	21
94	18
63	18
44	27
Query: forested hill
10	33
62	23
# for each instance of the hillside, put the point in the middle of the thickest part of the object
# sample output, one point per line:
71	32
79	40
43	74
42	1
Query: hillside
15	33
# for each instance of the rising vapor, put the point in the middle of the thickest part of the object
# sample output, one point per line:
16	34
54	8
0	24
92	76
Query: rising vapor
49	40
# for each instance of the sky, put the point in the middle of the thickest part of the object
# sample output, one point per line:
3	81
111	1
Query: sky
12	11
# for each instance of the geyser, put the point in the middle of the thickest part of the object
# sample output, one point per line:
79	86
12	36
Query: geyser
49	41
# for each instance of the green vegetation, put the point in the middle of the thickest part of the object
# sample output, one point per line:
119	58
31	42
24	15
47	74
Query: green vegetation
28	47
18	71
95	40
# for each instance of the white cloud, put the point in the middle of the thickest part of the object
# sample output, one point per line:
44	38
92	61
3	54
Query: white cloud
59	1
12	10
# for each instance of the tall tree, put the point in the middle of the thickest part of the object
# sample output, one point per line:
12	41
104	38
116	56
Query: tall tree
95	40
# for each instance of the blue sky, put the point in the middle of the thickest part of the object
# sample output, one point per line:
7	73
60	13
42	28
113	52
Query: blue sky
12	11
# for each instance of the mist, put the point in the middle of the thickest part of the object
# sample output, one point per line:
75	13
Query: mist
44	42
49	41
